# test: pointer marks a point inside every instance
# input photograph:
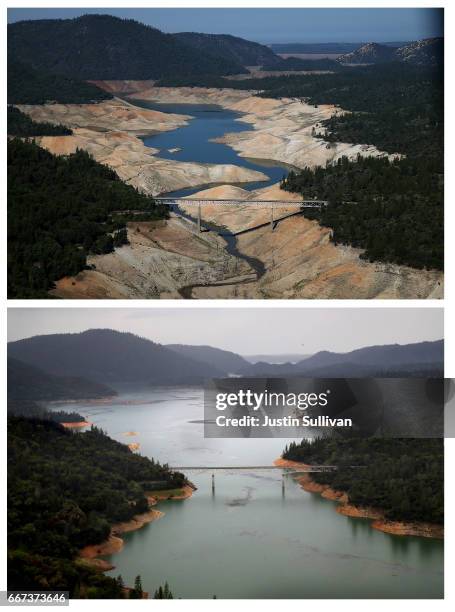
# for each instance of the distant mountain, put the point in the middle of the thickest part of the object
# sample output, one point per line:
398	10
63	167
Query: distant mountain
324	48
109	356
371	53
225	361
421	357
26	382
427	52
97	47
279	358
234	49
28	85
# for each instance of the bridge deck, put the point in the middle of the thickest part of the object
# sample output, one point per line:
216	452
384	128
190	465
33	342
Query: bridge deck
312	468
223	202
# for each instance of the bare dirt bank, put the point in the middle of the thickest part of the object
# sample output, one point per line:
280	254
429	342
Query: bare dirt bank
175	494
297	260
76	424
109	132
114	543
160	259
301	262
282	130
376	515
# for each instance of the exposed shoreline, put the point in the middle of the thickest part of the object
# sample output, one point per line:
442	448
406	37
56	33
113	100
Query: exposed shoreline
163	259
76	424
91	554
376	515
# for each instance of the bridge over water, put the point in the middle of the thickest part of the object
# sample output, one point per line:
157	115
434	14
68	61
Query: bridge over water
254	468
271	204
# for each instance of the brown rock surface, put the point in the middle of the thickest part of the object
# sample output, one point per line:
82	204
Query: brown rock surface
160	259
301	261
109	132
282	129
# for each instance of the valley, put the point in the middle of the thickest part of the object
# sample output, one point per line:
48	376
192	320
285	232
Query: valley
108	427
163	259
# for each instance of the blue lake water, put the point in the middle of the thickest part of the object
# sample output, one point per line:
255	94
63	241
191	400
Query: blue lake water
194	139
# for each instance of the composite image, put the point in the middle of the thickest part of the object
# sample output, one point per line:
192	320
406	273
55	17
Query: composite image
255	405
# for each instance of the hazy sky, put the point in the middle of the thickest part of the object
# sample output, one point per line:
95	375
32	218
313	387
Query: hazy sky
242	330
272	25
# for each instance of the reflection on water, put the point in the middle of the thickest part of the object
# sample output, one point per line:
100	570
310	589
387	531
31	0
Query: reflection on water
248	538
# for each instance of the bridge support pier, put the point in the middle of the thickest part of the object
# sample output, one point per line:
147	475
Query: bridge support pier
271	218
199	217
213	484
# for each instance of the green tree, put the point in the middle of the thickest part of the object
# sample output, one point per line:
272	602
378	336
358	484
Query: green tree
163	592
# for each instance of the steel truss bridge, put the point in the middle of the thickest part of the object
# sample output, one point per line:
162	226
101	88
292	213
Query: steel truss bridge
254	468
271	204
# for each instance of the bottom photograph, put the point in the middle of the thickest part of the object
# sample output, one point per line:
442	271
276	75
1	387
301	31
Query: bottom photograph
206	452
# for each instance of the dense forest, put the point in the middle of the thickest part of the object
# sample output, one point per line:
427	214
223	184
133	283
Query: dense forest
393	209
20	124
33	410
64	491
28	85
232	48
404	477
104	47
27	382
296	63
60	209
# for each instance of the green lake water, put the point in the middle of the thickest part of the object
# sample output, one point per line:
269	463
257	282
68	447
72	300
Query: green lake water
248	538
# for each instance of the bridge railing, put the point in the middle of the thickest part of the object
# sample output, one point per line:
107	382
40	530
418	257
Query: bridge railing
165	201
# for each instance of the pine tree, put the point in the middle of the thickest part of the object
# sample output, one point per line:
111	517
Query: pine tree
163	593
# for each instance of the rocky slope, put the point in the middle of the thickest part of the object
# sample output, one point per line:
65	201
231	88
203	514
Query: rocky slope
162	258
282	130
427	52
298	259
301	262
371	53
109	132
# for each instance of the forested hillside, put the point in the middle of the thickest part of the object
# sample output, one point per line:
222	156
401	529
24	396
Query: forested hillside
27	382
295	63
20	124
64	492
110	356
59	210
393	209
424	359
101	47
403	477
33	410
29	85
232	48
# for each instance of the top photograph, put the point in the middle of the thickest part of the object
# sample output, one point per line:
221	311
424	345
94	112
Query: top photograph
256	153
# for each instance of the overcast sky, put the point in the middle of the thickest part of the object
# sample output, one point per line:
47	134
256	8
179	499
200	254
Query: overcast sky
274	25
242	330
